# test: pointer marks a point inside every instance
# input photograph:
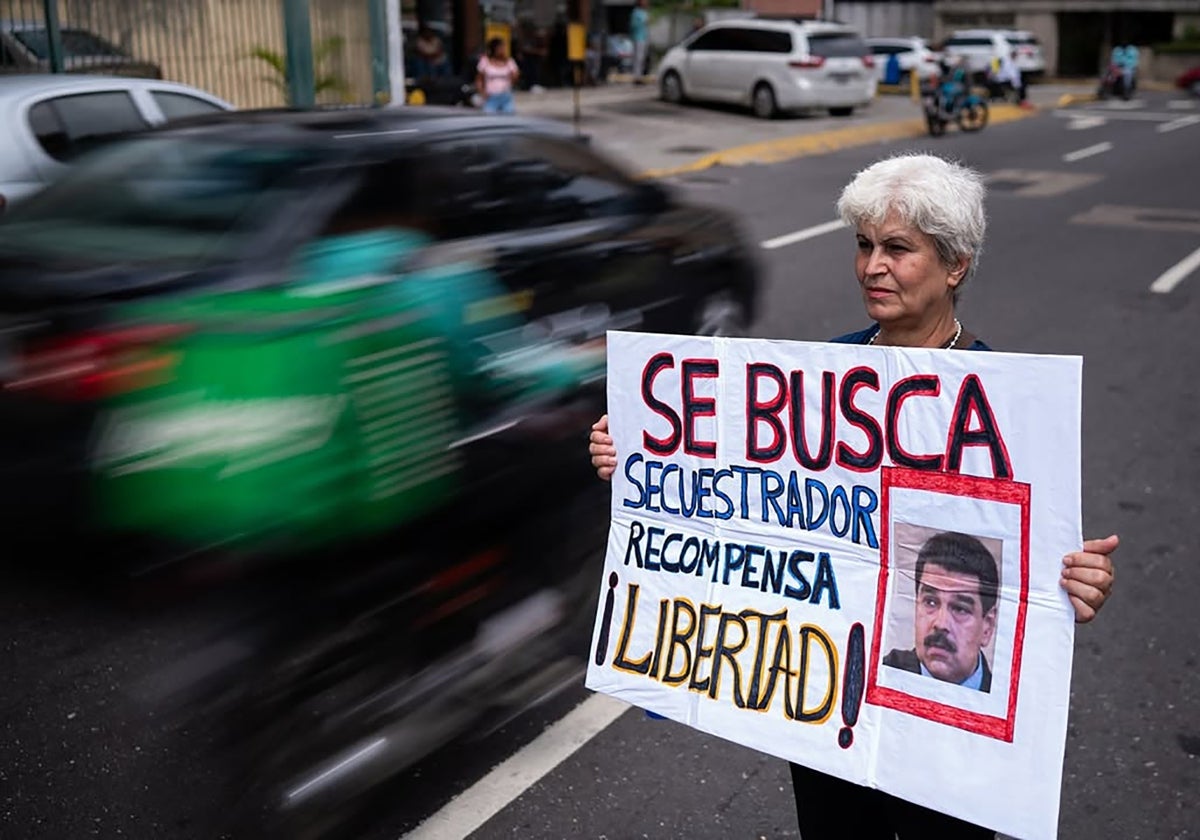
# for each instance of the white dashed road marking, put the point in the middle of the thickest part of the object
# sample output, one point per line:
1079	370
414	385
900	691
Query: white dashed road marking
801	235
1182	122
520	771
1174	275
1080	154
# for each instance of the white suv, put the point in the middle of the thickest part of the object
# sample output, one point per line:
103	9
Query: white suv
1030	60
980	46
912	54
772	66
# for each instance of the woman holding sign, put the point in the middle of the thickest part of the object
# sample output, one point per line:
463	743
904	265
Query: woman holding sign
919	226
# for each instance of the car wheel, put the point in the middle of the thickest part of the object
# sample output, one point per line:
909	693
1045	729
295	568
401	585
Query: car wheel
841	112
671	88
763	101
721	314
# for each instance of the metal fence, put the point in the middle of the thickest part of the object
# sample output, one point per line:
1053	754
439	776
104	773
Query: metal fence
236	49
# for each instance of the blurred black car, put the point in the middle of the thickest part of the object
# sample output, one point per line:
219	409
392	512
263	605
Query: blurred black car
98	271
416	531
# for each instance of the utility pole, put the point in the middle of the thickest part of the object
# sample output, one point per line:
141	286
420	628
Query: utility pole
297	34
398	89
53	35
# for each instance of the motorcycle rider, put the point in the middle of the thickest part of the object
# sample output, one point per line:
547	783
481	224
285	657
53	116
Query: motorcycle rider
1129	66
1006	75
952	89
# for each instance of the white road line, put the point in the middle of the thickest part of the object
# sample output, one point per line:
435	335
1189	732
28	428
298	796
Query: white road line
1181	104
1136	116
1080	154
1182	122
801	235
516	774
1086	122
1174	275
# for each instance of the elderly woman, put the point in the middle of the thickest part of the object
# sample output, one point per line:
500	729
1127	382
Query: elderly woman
919	225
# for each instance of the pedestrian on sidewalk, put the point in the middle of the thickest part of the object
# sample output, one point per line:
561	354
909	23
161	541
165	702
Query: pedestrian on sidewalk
495	76
1005	77
919	225
639	31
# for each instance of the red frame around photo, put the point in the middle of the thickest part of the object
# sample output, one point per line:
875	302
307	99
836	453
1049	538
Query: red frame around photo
986	489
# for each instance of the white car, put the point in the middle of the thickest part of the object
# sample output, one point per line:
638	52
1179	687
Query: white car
47	120
772	66
913	54
1030	60
980	46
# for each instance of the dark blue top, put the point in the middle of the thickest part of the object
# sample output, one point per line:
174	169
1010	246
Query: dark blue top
863	336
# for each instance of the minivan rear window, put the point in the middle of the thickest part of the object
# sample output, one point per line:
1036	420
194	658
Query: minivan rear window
837	45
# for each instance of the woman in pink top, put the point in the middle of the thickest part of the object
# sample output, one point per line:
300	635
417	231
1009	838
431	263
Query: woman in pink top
495	76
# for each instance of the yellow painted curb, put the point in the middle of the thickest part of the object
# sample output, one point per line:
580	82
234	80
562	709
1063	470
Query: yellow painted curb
803	145
1075	98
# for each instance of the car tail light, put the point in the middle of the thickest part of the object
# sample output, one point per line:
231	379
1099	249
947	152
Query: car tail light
868	61
931	59
96	365
810	63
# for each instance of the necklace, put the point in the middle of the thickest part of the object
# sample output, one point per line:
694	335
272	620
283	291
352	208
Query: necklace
953	342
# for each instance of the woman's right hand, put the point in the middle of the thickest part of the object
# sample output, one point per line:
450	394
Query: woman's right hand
602	449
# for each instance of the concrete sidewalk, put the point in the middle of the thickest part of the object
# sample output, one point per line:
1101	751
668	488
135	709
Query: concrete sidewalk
658	139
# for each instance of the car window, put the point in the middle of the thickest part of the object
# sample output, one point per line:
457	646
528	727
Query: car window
762	40
969	42
68	126
576	183
837	45
7	59
75	42
162	199
496	184
176	106
395	194
716	39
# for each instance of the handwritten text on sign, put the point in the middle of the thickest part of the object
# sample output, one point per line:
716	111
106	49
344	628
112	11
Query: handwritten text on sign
787	525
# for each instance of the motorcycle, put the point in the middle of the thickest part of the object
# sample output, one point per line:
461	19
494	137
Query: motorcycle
949	101
1112	83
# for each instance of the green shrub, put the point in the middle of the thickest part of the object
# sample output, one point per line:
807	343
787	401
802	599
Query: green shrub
1178	47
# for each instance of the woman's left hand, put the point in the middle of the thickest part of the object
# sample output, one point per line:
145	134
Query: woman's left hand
1088	577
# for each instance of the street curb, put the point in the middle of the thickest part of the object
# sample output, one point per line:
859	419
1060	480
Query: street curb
804	145
1075	99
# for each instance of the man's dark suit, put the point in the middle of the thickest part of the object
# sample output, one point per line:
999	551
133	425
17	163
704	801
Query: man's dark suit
906	660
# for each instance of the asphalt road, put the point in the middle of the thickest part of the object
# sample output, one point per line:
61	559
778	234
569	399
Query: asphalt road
1073	248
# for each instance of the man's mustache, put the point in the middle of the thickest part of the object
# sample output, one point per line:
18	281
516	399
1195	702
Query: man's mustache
940	639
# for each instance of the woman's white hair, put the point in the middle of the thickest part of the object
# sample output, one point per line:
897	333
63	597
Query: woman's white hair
934	195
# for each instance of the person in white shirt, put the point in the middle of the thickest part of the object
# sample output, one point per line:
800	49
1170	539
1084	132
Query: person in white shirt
1008	75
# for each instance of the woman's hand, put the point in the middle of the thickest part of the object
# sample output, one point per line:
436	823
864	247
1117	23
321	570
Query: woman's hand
1087	575
602	449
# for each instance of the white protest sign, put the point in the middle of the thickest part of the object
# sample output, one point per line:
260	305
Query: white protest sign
849	557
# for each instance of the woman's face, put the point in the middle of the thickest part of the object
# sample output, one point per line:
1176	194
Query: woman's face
904	283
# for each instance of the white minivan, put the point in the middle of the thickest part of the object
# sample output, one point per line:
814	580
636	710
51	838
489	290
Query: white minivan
772	66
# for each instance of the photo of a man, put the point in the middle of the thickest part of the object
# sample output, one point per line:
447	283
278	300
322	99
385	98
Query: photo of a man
957	581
